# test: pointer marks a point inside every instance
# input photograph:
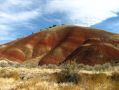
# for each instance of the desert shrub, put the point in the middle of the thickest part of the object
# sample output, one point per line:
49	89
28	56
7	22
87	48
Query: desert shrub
88	68
95	81
68	74
4	63
4	73
8	63
115	80
51	66
29	65
99	78
103	67
98	67
115	76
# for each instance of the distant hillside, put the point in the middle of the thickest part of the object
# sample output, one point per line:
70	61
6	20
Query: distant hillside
65	44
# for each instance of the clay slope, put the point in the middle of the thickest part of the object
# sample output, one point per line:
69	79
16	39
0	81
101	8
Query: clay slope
65	44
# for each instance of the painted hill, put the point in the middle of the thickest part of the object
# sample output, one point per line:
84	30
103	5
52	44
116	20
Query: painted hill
65	44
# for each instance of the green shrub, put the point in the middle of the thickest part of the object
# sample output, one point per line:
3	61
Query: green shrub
54	25
68	74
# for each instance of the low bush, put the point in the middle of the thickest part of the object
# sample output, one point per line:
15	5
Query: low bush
99	78
115	76
4	73
68	74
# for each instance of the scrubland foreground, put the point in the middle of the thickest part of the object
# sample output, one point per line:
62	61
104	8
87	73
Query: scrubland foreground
14	76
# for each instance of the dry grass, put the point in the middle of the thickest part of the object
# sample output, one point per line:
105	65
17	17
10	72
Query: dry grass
46	78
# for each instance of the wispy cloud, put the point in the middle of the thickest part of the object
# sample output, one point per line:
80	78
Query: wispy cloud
17	11
86	12
5	31
16	15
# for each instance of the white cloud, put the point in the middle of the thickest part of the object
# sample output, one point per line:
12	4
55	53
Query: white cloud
16	12
86	12
5	31
18	17
80	12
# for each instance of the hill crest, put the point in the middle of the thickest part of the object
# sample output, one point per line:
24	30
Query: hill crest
60	44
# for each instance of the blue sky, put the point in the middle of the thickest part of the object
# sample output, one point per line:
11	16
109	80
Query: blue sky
20	18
